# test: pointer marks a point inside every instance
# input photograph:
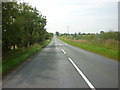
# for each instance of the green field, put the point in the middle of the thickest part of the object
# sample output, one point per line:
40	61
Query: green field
19	56
104	51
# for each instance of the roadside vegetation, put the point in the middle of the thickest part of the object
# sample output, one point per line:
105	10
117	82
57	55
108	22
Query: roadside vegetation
23	34
105	43
17	57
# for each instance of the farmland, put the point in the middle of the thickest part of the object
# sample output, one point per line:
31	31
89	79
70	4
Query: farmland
105	44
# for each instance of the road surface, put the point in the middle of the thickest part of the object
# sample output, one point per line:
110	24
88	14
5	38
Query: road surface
60	65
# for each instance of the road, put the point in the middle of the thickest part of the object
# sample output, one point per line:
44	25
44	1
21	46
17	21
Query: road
60	65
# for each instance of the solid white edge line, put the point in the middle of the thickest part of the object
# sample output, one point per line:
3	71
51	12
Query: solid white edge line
83	76
63	51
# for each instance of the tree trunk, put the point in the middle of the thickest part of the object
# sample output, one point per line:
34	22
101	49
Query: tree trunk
14	47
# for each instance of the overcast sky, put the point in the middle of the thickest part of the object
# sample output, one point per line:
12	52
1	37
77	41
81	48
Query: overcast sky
85	16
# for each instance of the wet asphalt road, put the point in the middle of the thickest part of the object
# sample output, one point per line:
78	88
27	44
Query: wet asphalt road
51	68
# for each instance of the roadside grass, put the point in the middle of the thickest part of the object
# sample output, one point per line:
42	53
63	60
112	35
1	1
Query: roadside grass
19	56
102	50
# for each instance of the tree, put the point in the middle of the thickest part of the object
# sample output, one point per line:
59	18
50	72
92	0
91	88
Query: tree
79	33
83	33
101	32
57	33
75	35
9	13
22	26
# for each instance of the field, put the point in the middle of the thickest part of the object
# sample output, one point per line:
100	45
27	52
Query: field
103	44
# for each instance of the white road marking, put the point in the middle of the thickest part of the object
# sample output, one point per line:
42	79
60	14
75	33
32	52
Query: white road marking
63	44
83	76
63	51
66	44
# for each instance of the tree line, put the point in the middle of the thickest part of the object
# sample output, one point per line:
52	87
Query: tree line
113	35
22	26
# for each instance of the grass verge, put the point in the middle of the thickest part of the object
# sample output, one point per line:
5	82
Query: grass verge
111	53
19	56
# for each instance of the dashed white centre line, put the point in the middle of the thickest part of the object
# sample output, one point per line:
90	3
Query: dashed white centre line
83	76
63	51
